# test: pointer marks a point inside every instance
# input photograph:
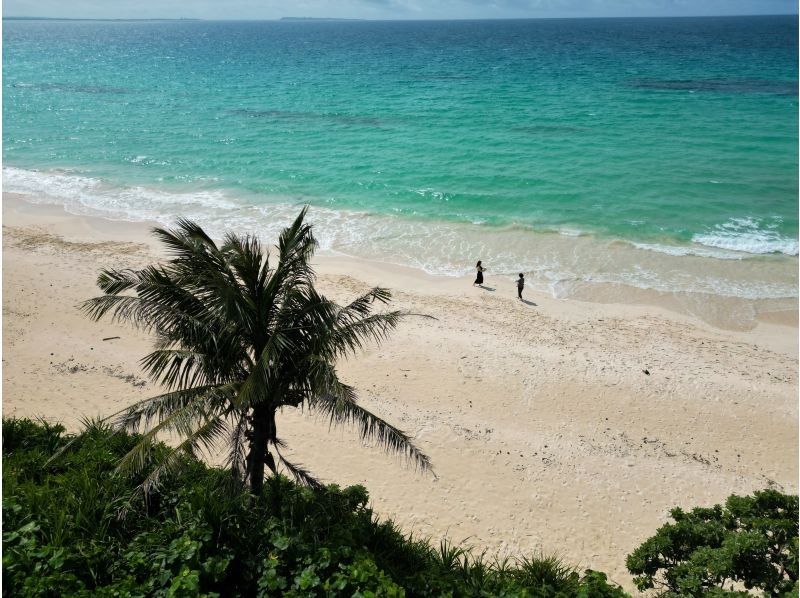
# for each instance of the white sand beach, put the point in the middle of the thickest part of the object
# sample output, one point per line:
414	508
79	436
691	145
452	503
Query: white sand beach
554	425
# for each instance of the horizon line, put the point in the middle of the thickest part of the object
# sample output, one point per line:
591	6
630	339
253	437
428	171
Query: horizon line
351	19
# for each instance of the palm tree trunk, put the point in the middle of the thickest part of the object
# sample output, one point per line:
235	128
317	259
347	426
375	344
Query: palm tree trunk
255	457
263	432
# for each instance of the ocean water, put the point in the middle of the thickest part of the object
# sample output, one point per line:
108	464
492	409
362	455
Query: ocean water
656	154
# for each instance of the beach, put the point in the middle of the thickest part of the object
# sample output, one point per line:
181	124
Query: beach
554	426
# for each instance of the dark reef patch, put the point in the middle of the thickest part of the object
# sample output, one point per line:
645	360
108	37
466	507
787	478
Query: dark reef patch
289	115
69	87
718	85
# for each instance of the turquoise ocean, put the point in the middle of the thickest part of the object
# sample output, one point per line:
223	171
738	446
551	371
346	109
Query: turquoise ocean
600	156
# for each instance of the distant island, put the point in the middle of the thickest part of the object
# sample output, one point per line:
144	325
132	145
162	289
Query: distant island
316	19
165	19
87	19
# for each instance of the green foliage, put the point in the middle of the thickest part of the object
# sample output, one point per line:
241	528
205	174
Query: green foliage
24	434
70	527
750	543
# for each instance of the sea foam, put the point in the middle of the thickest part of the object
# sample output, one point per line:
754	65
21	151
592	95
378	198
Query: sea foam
91	196
748	235
692	250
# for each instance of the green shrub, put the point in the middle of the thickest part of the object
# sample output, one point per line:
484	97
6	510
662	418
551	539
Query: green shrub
24	434
749	544
71	527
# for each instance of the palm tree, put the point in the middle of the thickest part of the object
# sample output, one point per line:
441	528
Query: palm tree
237	339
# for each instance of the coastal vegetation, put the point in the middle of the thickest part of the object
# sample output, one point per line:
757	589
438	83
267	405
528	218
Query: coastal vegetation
72	526
749	543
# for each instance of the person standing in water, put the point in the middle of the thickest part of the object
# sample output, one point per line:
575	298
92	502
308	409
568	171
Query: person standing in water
520	285
479	278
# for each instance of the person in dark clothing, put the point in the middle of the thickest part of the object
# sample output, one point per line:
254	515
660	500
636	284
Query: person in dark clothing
520	285
479	278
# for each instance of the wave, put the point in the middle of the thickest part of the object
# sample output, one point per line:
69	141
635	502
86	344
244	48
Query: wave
91	196
689	250
748	235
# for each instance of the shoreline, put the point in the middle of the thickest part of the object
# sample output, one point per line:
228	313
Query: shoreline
545	431
719	310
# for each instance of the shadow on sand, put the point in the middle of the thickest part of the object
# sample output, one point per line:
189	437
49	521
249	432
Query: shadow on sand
528	302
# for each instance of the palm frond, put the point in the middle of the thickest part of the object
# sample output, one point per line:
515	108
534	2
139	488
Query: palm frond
341	331
296	243
176	368
183	421
299	473
143	412
205	436
372	427
357	334
262	379
342	408
296	246
237	442
363	305
114	282
185	240
246	258
148	315
201	266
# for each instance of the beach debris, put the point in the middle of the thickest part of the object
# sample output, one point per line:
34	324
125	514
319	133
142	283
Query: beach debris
646	371
110	338
117	372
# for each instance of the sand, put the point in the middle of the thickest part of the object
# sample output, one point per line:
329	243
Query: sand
546	433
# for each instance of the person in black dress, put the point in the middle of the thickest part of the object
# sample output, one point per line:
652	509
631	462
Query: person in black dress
520	285
479	278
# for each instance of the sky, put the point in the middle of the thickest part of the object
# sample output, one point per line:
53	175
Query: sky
389	9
